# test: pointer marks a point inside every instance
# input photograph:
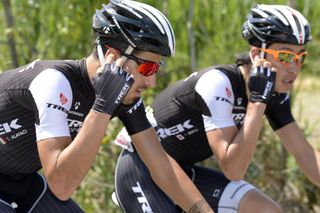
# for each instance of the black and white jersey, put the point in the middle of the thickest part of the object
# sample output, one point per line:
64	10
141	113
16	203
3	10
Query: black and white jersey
47	99
209	99
43	99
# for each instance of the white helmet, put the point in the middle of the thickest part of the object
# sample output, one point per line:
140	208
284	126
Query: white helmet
123	23
276	23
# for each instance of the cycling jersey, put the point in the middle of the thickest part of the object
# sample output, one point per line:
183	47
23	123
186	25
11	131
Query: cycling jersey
22	109
209	99
41	100
46	99
206	100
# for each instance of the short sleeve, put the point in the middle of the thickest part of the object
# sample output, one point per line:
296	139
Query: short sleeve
278	111
134	117
215	89
53	97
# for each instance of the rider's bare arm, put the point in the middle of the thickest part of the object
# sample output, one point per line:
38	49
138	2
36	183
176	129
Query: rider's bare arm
167	173
307	157
65	164
234	149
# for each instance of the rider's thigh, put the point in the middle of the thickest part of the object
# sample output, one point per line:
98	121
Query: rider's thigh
136	191
255	199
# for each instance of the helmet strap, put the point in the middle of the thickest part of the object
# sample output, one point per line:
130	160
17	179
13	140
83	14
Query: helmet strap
262	53
102	58
101	55
128	52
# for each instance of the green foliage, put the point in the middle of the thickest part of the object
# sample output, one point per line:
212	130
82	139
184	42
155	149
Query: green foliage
50	29
61	29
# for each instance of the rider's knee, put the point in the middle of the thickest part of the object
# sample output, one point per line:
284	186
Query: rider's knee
255	199
271	207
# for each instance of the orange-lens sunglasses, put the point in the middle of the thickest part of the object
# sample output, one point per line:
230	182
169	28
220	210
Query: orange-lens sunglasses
286	56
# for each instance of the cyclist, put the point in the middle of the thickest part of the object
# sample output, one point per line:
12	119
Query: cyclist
54	114
219	110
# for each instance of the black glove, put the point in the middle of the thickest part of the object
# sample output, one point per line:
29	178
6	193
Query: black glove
261	84
111	86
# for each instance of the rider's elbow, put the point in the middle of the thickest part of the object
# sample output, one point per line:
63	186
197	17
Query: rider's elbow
60	189
233	174
61	193
159	175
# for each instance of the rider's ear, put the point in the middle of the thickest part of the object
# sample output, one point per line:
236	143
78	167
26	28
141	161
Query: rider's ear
254	52
113	51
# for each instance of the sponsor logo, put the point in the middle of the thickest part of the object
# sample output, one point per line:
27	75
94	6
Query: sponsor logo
3	140
175	130
223	99
216	193
239	118
31	65
267	89
180	137
74	125
123	140
123	92
77	105
145	206
135	107
285	98
128	77
55	106
228	92
63	99
19	134
9	127
106	30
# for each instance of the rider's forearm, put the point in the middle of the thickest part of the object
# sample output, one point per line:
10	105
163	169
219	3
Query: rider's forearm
240	151
307	157
111	85
178	186
167	173
199	207
75	160
311	166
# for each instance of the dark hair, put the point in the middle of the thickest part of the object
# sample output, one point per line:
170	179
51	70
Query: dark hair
243	58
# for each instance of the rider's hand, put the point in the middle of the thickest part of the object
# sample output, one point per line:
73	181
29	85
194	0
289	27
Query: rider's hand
261	81
111	86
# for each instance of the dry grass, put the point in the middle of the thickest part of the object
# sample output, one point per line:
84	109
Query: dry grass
306	107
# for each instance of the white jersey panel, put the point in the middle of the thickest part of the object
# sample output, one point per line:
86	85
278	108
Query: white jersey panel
215	89
53	96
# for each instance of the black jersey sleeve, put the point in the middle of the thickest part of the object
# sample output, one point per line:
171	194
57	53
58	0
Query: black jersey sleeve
133	117
278	111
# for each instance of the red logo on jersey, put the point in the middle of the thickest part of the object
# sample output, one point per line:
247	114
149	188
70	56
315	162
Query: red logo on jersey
63	99
3	140
228	92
